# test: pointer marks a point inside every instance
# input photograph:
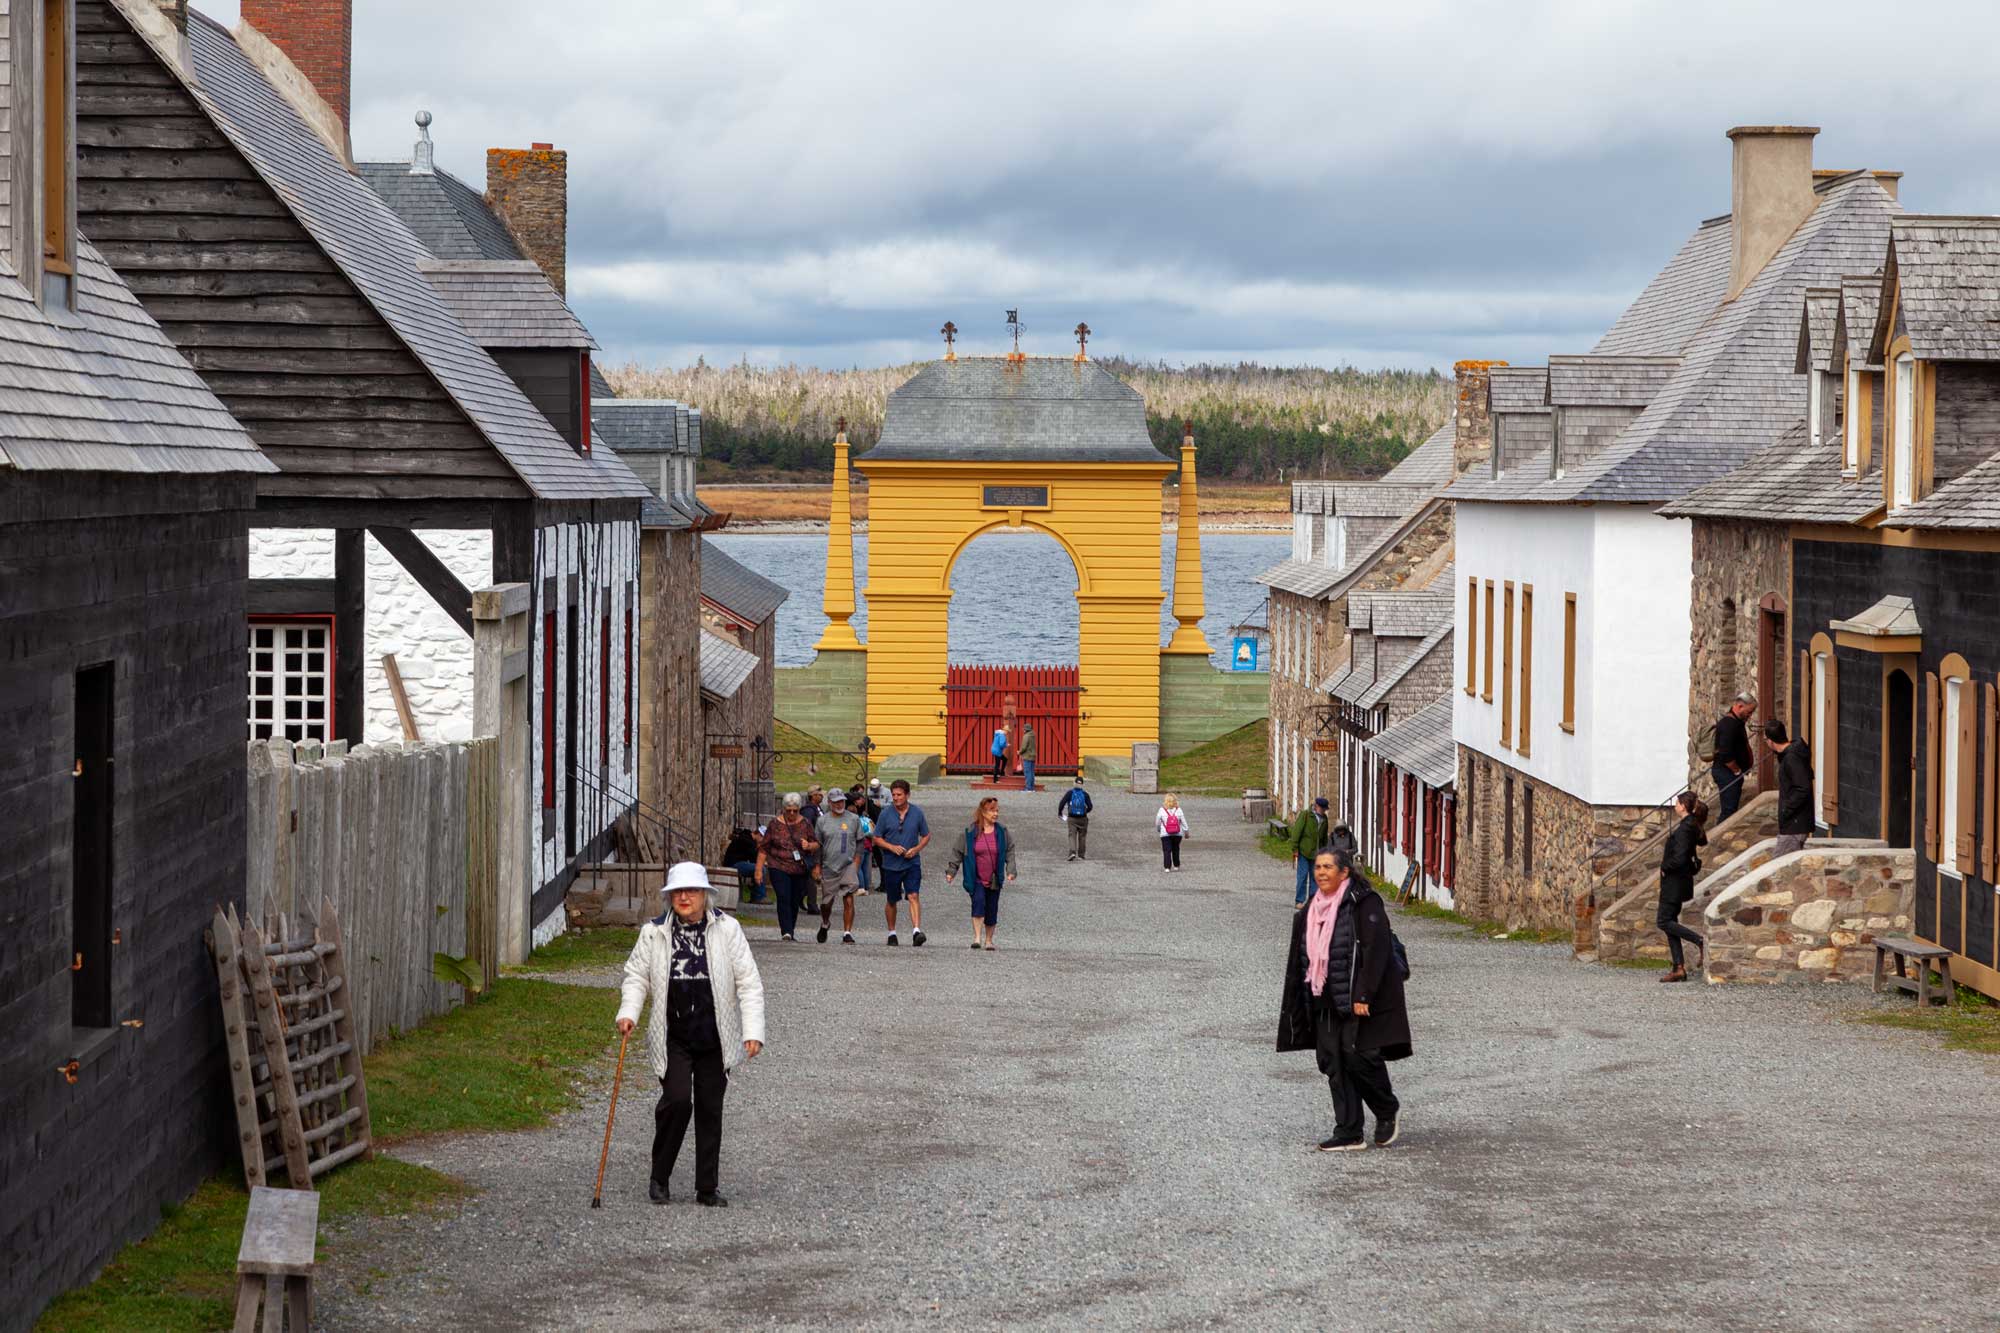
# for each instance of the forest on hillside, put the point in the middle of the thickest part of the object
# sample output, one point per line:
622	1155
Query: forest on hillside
1252	422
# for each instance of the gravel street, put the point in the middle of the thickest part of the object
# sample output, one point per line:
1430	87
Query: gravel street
1089	1126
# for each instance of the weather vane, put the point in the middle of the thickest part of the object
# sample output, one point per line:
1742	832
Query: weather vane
950	332
1014	327
1083	342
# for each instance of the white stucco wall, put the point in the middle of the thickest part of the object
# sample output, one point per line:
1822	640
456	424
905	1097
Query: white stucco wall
1632	572
433	654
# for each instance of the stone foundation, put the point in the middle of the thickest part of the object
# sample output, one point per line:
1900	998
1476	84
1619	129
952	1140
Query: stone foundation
1626	929
1811	916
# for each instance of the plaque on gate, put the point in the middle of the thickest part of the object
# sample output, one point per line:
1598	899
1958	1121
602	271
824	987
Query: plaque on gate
1016	497
720	751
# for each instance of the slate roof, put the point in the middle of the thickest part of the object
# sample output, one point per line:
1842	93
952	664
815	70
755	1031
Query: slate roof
1517	389
1429	464
507	303
1592	380
1421	744
1854	325
376	252
1363	687
1789	482
1735	390
737	589
106	391
724	667
1424	614
1970	503
1817	350
448	217
1946	272
1404	492
991	409
643	425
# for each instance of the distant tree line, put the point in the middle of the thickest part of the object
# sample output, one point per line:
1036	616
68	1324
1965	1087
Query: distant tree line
1251	422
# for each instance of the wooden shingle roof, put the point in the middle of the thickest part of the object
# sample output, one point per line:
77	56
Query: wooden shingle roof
1789	482
507	303
1854	325
1817	322
447	216
724	667
1517	389
736	588
1421	744
1946	273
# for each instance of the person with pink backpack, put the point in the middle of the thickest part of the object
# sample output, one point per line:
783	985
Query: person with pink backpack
1172	823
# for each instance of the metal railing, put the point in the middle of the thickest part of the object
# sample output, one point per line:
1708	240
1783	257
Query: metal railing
654	832
1659	834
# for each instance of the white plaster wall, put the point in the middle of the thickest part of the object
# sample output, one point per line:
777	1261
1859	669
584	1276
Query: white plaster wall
1632	572
433	654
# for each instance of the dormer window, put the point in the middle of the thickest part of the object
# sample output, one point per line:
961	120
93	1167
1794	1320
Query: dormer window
1816	405
1852	425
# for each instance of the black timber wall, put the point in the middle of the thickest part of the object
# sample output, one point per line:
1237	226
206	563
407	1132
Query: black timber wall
552	380
147	573
291	347
1957	597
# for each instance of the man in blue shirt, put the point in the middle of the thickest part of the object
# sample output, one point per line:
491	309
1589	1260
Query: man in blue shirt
900	835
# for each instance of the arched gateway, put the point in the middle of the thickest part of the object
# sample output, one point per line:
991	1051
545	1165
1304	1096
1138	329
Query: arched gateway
978	443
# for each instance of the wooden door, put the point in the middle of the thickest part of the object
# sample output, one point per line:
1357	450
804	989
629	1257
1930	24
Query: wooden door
979	700
1772	659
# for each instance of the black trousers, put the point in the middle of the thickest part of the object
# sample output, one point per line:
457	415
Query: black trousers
692	1089
999	767
1170	850
790	889
1355	1076
1668	919
1728	790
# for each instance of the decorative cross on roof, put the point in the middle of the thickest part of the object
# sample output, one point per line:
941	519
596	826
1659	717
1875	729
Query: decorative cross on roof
950	332
1082	342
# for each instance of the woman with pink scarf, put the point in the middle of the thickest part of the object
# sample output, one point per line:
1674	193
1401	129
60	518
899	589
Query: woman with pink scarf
1344	999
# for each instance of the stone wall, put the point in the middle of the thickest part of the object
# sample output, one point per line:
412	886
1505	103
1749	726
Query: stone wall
529	189
1738	846
433	655
1811	916
1308	645
1472	448
1736	565
1415	560
670	732
827	698
1199	703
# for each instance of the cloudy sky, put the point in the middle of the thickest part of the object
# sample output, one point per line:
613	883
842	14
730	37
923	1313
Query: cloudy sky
828	181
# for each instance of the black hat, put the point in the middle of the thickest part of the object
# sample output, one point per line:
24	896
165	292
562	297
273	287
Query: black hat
1320	802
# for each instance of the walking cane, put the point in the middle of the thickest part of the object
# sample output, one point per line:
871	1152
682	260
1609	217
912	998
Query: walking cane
597	1198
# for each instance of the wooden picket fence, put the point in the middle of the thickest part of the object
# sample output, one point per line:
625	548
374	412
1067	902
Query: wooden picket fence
403	842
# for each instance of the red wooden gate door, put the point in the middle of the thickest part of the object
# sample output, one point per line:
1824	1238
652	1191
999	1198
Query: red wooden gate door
979	700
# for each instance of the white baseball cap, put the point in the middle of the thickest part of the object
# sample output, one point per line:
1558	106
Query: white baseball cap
688	875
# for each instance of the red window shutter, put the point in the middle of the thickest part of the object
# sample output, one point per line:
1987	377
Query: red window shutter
631	674
604	690
1448	854
549	710
1409	815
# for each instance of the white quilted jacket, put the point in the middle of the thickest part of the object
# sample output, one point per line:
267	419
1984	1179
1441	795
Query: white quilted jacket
732	973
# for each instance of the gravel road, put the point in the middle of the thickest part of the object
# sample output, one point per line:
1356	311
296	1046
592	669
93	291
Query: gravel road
1089	1126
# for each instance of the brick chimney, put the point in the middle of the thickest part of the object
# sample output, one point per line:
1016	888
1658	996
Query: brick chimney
529	189
1473	447
315	35
1770	194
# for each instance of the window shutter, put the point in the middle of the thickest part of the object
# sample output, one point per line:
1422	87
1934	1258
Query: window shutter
1986	866
1968	768
1931	713
1829	741
1804	695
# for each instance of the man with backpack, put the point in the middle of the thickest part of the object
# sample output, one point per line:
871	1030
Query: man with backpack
1073	808
1725	746
1308	835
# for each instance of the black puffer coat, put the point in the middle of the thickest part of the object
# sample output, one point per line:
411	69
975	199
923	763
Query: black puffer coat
1678	862
1361	966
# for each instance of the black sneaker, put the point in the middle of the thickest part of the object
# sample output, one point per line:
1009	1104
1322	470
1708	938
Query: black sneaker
1341	1145
1387	1130
656	1190
1072	856
710	1199
892	939
822	935
916	939
847	937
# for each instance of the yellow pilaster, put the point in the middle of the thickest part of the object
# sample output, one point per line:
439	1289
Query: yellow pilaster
839	555
1189	605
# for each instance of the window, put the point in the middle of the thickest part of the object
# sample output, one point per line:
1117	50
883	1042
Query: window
1569	663
548	710
1472	636
291	678
92	790
1857	411
1336	543
1959	735
1471	798
1815	406
1527	665
1824	730
1487	677
1507	666
55	130
1316	549
1903	461
1819	751
1954	759
1507	819
631	674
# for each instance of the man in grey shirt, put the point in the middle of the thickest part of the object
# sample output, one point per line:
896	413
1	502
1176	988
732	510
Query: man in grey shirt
839	835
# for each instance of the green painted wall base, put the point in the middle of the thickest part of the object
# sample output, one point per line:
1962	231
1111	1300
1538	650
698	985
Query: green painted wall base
915	769
1199	703
1107	770
829	698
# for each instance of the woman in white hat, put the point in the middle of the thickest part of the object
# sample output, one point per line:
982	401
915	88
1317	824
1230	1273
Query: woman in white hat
708	1018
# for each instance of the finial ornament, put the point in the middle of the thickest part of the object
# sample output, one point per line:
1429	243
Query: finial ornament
950	332
840	429
422	160
1083	342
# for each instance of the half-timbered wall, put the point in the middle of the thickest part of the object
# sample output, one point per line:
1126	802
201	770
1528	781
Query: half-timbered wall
287	343
145	573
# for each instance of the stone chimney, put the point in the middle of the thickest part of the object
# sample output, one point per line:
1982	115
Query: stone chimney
1770	194
1473	447
315	35
529	189
1890	181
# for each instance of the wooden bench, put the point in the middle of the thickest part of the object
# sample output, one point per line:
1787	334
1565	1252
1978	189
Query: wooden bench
1923	954
274	1265
1277	827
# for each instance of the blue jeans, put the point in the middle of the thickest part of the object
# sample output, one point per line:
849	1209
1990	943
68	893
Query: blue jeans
746	881
1303	889
1028	774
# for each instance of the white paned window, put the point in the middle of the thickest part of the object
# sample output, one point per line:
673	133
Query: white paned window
1816	406
1819	748
1947	862
291	679
1336	543
1302	537
1905	460
1851	457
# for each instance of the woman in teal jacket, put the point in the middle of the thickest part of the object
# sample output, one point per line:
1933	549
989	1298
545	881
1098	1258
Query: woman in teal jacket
986	851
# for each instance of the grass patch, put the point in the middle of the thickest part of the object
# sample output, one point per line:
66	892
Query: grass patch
1430	911
1972	1024
790	774
1223	766
1641	964
509	1061
183	1276
1276	846
582	951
